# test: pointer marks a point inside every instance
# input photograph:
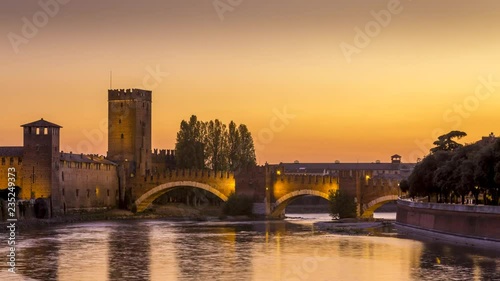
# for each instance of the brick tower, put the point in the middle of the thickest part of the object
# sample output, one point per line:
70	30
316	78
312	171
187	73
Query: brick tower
129	135
129	124
41	158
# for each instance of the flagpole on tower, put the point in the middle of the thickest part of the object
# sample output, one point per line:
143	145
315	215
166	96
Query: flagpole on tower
111	79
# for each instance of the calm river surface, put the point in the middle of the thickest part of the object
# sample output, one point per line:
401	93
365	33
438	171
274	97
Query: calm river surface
278	250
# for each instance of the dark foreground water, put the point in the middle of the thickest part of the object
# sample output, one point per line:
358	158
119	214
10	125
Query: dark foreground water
282	250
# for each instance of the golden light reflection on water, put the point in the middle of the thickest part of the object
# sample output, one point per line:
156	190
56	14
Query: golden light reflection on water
159	250
84	257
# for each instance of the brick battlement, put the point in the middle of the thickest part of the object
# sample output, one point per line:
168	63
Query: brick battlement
163	153
380	183
150	187
190	174
308	179
129	94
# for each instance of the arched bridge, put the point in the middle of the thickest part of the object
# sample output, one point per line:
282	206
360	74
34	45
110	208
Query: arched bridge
271	190
369	193
287	188
221	184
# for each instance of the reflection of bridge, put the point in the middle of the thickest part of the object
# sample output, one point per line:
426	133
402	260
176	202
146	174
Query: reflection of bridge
271	189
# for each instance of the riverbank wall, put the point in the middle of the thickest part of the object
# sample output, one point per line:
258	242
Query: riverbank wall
463	224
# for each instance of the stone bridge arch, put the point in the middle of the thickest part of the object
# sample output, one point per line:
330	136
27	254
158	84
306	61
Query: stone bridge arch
370	207
283	201
147	198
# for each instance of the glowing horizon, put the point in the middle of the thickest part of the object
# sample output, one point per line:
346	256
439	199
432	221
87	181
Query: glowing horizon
429	70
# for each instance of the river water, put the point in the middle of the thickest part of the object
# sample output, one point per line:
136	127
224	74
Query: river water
279	250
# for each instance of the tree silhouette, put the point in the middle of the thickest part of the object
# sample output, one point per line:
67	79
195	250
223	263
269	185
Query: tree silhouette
341	204
404	186
214	145
446	143
190	144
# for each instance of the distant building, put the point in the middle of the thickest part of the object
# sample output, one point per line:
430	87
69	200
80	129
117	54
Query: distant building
394	170
489	139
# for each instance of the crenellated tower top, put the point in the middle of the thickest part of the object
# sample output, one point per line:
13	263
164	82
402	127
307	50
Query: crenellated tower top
129	94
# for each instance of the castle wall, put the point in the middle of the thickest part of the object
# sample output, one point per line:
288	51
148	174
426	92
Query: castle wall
7	162
223	181
88	186
162	160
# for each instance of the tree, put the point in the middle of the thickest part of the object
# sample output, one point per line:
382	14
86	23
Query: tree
456	170
486	161
446	143
445	180
246	150
421	179
189	146
466	183
238	205
216	145
341	205
463	175
234	143
404	186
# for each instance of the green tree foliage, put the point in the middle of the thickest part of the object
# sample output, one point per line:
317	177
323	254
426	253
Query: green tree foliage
341	204
238	205
454	171
214	145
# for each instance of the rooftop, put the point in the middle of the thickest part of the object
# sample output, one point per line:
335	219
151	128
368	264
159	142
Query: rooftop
41	123
11	151
346	166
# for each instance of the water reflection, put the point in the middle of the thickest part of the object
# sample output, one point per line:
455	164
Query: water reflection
281	250
212	253
456	263
83	252
39	258
129	252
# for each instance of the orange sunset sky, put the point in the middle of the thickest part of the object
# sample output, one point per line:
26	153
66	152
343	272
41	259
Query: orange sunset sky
431	68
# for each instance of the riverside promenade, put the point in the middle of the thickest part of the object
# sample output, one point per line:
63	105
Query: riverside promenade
472	225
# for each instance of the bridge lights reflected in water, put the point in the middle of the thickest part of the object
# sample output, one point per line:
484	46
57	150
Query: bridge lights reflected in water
279	250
